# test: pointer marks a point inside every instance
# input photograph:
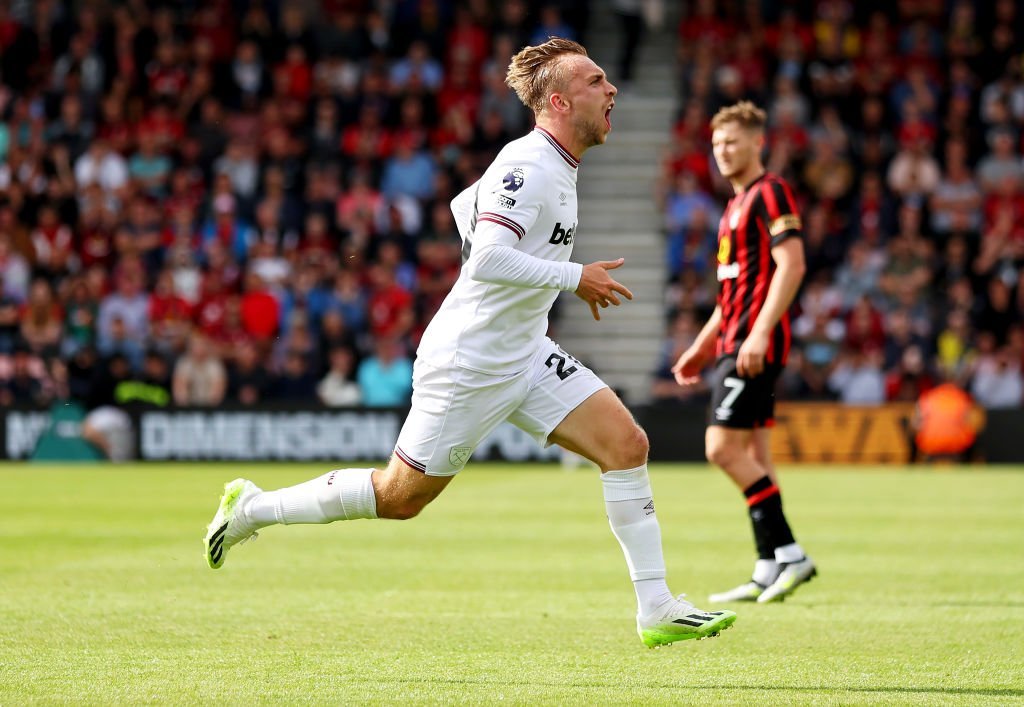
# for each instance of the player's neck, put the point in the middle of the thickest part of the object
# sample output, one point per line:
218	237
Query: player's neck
564	134
740	182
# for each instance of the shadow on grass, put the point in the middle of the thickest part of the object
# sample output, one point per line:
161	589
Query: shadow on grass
983	603
987	604
979	692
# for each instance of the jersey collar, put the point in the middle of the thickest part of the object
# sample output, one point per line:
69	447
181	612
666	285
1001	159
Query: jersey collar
559	148
756	179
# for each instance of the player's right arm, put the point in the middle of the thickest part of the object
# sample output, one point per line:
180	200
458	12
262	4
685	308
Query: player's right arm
502	264
701	352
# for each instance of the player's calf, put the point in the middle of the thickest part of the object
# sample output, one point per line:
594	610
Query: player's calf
402	492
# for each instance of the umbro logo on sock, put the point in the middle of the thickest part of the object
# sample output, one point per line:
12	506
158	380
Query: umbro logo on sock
649	508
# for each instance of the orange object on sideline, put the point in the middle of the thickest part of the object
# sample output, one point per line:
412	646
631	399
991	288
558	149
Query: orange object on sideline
947	421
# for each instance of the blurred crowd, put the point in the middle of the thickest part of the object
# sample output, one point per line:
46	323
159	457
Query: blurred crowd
901	129
236	201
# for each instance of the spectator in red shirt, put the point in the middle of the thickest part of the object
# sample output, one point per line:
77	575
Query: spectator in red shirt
170	315
864	330
163	125
368	138
260	310
789	27
704	24
95	231
468	43
165	75
114	127
297	72
208	315
232	333
52	242
910	379
390	306
316	244
460	91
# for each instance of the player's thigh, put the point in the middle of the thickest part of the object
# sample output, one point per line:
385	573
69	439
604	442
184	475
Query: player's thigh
569	405
739	402
736	402
764	418
603	430
452	411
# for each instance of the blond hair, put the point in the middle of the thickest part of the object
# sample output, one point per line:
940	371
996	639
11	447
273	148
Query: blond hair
745	113
536	72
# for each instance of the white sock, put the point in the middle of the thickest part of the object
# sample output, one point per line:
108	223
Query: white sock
630	506
342	494
766	571
789	553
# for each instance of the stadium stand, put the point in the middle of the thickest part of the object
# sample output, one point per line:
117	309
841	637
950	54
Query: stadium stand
253	193
275	177
901	130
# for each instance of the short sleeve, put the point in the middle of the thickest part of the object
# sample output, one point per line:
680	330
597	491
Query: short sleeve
783	218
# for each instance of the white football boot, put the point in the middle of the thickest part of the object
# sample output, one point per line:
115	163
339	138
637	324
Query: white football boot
748	591
791	576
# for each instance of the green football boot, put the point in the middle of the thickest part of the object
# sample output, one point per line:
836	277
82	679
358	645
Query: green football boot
679	620
229	526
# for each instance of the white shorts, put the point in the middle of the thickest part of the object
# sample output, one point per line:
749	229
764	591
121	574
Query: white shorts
454	409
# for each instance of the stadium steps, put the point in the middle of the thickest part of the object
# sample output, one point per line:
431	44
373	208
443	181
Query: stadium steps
618	215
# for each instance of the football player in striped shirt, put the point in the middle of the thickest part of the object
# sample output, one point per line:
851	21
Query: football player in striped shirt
760	268
485	358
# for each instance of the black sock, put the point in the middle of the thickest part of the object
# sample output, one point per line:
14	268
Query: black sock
764	502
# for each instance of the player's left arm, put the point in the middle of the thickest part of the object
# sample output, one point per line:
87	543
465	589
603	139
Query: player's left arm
789	273
509	201
787	249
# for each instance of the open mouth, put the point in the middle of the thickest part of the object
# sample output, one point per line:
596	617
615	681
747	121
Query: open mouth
608	116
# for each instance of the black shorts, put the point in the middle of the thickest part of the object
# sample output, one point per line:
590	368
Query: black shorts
742	403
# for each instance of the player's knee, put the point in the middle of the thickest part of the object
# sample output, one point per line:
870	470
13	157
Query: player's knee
402	511
400	506
632	451
719	453
762	458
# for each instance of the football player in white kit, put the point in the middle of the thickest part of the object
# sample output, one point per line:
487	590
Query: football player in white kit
484	358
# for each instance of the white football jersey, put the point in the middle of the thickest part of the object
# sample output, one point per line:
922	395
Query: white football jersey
526	199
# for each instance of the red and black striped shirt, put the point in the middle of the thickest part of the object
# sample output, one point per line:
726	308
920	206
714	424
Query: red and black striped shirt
755	221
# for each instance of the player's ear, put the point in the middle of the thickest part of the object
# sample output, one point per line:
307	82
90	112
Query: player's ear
558	102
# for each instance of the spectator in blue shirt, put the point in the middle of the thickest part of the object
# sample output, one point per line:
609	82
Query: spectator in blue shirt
551	25
417	67
409	172
385	378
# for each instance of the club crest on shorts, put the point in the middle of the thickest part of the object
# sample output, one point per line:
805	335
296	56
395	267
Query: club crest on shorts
513	181
459	455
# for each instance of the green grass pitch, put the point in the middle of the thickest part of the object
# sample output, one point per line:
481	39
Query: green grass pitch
509	588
